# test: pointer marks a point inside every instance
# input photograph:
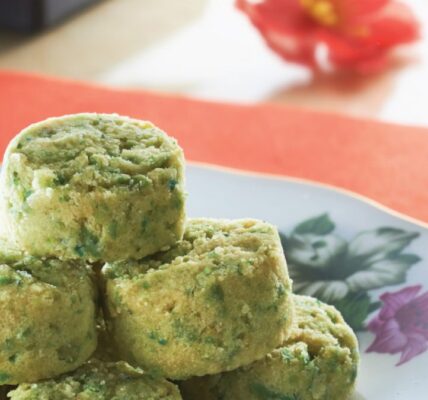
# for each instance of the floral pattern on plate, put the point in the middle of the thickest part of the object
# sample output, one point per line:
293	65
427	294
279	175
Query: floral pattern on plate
402	324
344	272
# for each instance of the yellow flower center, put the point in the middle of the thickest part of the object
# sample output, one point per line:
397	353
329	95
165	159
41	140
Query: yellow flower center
323	11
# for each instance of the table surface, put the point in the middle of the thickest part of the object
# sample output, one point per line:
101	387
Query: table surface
207	49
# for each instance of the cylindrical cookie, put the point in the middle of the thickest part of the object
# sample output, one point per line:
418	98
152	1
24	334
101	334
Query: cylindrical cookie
48	317
100	381
94	187
318	362
220	299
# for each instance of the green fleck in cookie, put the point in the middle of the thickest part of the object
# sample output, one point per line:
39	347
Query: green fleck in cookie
94	187
318	362
220	299
47	310
100	381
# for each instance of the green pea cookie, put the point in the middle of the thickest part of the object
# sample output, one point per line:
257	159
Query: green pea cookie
318	362
93	186
48	321
100	381
220	299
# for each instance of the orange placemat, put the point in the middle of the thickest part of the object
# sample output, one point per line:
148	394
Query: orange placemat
387	163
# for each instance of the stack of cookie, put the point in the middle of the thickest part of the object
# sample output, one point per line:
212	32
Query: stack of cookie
107	291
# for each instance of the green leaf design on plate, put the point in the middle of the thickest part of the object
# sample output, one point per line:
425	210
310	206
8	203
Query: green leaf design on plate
320	225
355	308
410	259
343	272
380	243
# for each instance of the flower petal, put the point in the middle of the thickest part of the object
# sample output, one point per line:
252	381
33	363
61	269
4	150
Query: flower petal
276	14
394	24
375	245
360	37
416	345
327	291
394	301
357	8
344	53
413	317
314	251
297	273
367	36
421	302
291	47
389	338
300	286
382	273
375	325
285	26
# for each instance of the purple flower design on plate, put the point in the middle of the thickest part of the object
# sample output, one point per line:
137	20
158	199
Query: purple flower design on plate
402	324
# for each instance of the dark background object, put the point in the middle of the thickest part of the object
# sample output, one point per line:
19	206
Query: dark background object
33	15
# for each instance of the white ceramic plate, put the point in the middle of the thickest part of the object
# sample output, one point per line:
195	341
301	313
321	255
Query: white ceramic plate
366	260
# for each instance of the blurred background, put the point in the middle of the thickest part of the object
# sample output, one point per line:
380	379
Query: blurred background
208	49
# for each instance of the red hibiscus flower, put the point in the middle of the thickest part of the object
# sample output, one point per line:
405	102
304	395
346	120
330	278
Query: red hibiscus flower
402	324
357	34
